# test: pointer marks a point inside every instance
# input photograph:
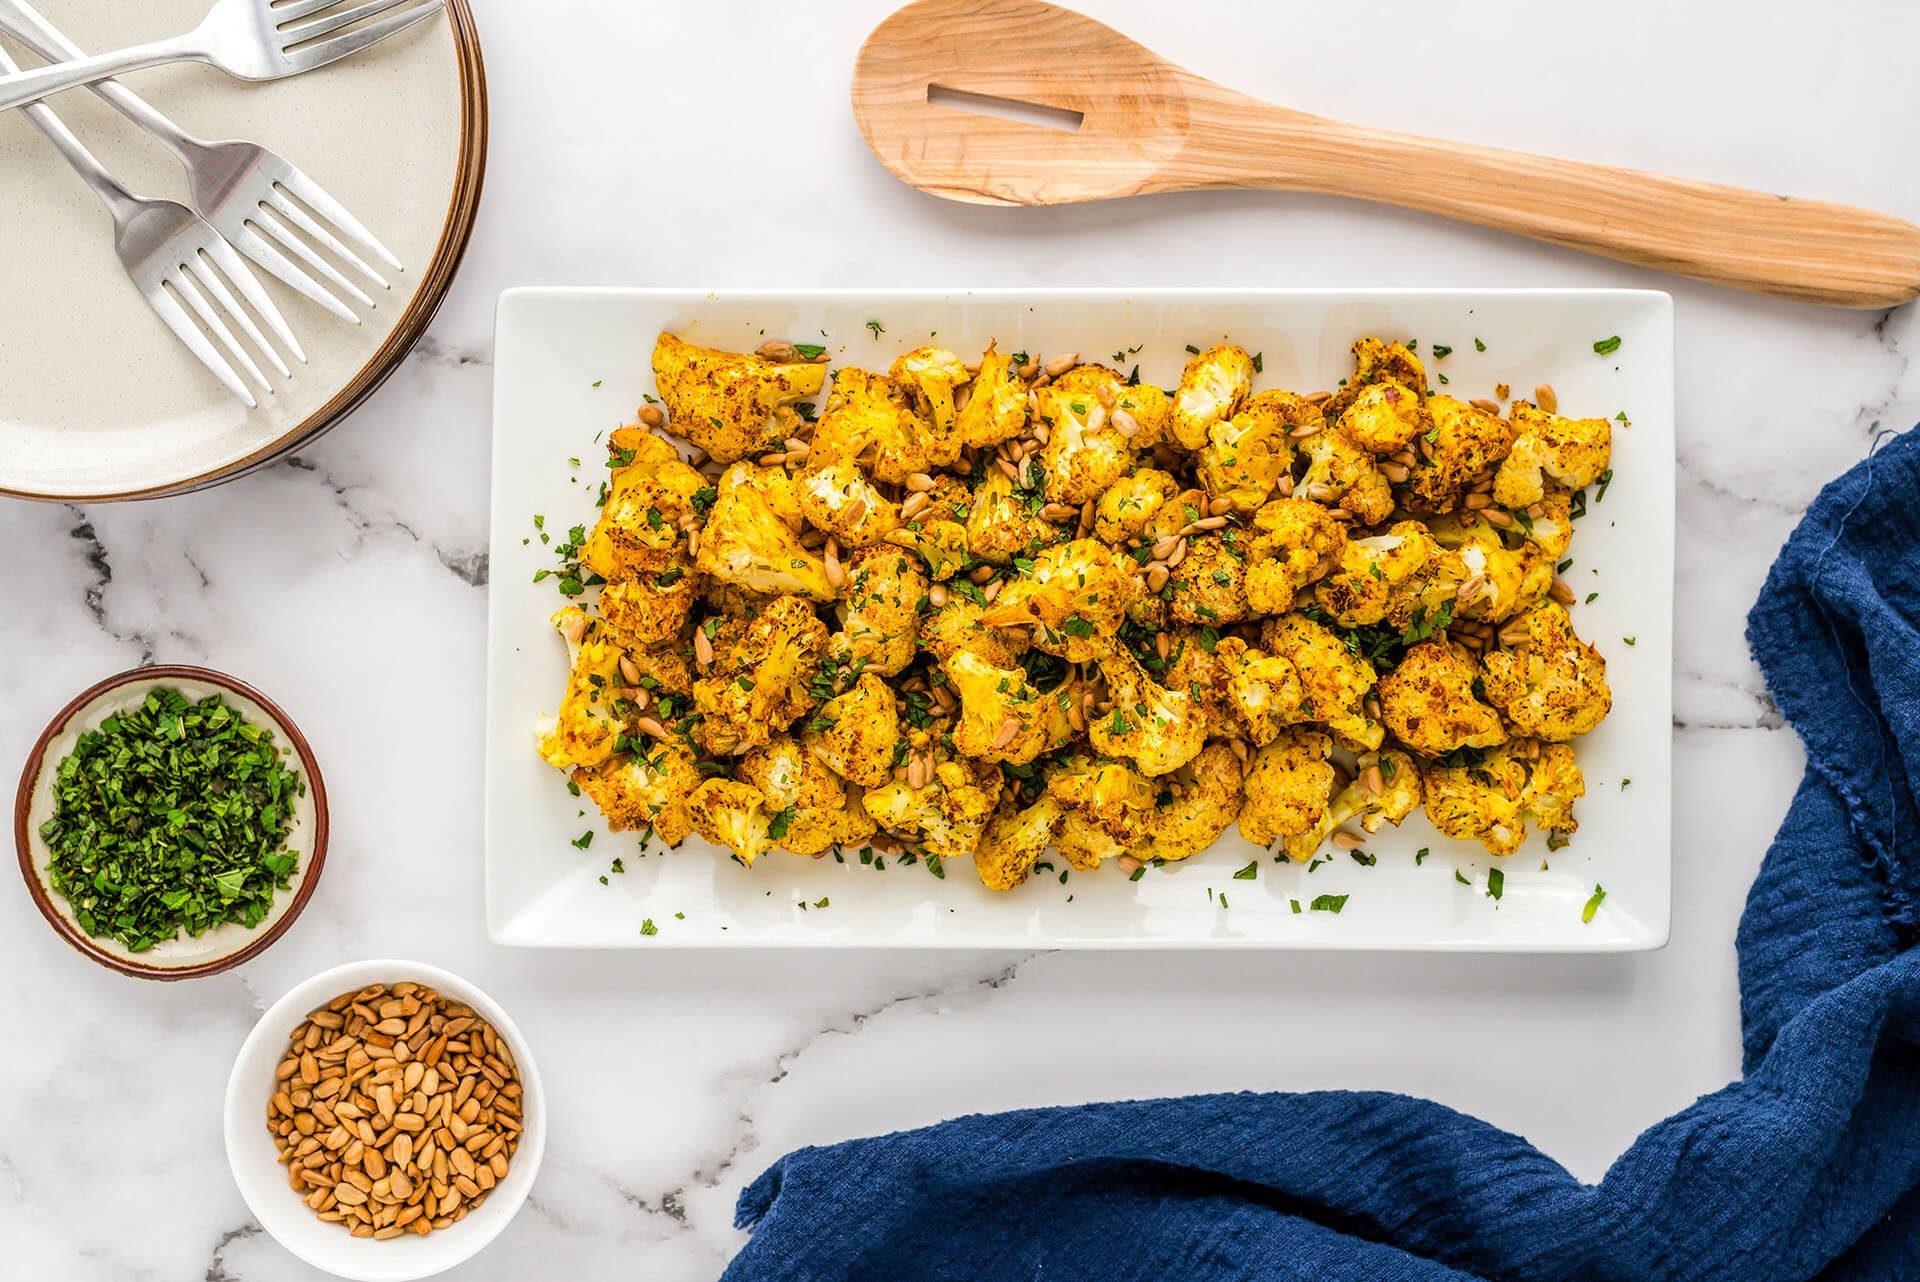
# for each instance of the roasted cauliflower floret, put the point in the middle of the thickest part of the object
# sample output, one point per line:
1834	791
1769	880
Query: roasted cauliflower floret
1247	455
1078	592
1005	522
649	494
1292	543
869	420
731	404
746	542
930	376
1548	523
855	732
1374	363
1158	729
1490	797
1336	680
1343	475
1085	451
838	499
1261	693
1003	716
651	609
1126	512
1015	839
1461	449
1208	798
1386	418
880	612
956	627
948	815
1386	576
1212	388
1428	701
734	815
1386	791
941	545
1499	581
635	790
1570	451
1288	786
1546	681
996	407
811	810
1109	807
1209	586
592	714
758	682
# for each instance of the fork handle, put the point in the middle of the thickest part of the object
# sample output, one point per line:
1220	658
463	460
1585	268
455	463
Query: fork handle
111	191
23	87
31	28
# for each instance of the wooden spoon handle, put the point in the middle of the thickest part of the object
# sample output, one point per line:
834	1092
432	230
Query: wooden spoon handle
1806	250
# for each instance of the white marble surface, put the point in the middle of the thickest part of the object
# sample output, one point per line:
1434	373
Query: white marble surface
711	144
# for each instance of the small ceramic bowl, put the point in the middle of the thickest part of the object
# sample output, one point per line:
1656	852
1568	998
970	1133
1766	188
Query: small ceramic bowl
263	1181
189	956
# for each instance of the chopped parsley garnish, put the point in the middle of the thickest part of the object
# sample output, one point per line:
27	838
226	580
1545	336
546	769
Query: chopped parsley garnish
1250	872
809	350
171	817
1496	883
877	328
648	928
1607	346
1594	901
1328	903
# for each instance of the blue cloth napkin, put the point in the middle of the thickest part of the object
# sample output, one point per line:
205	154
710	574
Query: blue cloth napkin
1807	1168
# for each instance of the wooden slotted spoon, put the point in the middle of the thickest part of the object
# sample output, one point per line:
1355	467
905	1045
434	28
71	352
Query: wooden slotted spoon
1124	121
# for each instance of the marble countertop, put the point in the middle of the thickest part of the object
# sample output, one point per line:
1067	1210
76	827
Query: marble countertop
711	145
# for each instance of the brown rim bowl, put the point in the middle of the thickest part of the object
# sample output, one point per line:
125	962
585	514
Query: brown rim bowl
455	232
224	946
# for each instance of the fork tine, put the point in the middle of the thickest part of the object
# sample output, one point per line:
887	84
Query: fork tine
177	320
265	218
353	42
301	219
182	282
299	9
322	202
260	250
236	270
333	20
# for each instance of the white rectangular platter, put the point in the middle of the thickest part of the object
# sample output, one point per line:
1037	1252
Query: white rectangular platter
571	364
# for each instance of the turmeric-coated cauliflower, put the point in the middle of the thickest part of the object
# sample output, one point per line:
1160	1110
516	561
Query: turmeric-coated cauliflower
1077	592
855	732
1207	798
758	683
746	542
1459	451
1292	543
1247	455
930	376
1015	839
1085	451
733	815
1570	451
592	713
731	404
996	406
948	814
1212	387
1386	791
1491	796
1003	716
880	611
1004	521
638	789
1158	729
1288	786
1336	680
1546	681
870	420
1126	512
1428	701
1209	586
811	810
836	498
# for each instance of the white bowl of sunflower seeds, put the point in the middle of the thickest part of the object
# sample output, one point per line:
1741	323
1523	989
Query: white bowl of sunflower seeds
385	1120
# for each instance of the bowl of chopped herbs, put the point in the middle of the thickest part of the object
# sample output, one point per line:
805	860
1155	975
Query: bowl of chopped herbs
171	822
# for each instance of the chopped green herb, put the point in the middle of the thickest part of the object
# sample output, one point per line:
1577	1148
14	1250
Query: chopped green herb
1441	351
1594	901
584	840
1420	856
648	928
1607	346
171	817
1328	903
1250	872
877	328
1496	883
809	350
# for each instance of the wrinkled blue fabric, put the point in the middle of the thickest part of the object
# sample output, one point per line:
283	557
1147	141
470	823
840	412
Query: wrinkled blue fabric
1809	1167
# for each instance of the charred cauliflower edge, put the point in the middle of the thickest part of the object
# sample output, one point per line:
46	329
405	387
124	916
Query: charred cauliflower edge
994	609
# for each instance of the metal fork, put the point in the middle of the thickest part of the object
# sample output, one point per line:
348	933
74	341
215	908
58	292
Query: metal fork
251	39
170	253
237	186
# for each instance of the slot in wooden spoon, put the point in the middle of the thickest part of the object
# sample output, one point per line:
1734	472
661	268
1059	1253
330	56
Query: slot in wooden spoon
945	92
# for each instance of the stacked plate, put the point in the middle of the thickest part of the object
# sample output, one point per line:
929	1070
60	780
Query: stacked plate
97	399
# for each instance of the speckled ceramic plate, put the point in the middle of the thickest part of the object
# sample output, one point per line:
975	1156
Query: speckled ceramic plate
189	956
98	400
570	364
